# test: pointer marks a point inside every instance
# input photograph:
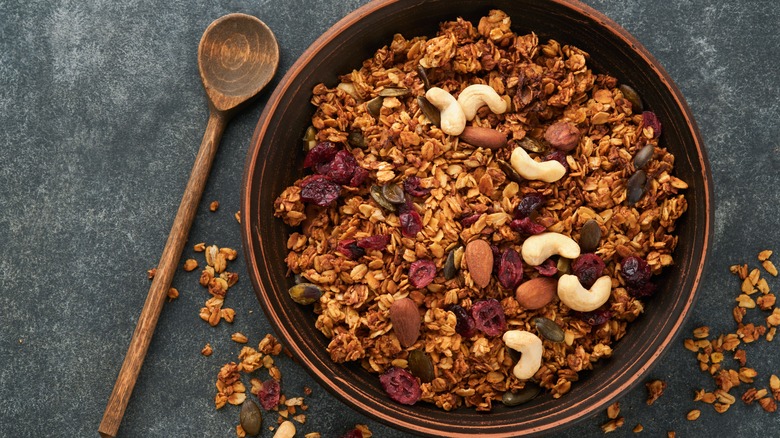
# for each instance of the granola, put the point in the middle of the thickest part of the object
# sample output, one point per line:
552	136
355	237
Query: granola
455	193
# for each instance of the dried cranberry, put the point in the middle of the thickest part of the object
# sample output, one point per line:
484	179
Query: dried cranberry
496	257
588	268
464	325
470	220
319	190
411	222
351	249
650	120
269	394
527	226
559	156
644	291
548	268
528	205
343	167
421	273
412	187
400	385
635	271
378	242
510	269
596	317
320	154
489	317
354	433
359	177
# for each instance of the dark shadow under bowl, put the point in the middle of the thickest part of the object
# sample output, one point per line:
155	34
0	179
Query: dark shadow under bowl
274	162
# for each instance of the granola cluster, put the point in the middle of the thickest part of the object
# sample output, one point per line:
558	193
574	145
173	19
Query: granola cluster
462	193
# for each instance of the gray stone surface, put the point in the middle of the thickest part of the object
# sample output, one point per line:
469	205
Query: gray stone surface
102	110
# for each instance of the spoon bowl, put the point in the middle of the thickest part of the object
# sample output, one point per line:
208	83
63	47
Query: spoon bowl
235	57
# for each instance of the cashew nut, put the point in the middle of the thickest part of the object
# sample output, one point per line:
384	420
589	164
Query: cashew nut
538	248
285	430
571	293
528	168
530	346
453	121
475	96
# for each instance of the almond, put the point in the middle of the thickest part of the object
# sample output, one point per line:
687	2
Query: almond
483	137
406	321
536	293
479	261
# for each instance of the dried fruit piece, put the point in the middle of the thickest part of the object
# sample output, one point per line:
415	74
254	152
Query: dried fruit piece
421	366
250	418
529	205
650	120
547	269
489	317
635	271
350	249
400	386
562	135
510	269
377	242
319	190
559	156
412	187
527	226
588	268
322	153
595	317
421	273
342	167
411	222
464	325
470	220
269	394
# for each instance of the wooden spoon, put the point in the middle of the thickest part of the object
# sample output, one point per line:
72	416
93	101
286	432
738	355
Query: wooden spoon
237	57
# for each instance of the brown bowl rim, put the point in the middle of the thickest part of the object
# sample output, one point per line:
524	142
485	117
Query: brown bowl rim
332	383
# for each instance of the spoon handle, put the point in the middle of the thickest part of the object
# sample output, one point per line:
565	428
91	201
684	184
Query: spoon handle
169	260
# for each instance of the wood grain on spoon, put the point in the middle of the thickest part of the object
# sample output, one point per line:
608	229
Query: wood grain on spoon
237	57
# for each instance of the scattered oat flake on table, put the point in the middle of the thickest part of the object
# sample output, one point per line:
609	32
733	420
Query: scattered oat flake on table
655	389
207	350
151	273
693	415
214	205
613	410
238	216
769	267
239	337
612	425
190	265
638	428
173	293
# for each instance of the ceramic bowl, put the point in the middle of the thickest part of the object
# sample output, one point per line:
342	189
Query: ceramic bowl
274	162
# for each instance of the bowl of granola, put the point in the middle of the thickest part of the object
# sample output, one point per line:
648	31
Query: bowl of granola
468	219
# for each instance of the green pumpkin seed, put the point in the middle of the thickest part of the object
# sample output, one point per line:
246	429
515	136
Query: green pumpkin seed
376	194
643	156
250	418
393	193
374	106
564	266
532	145
528	393
549	329
420	366
305	293
590	236
430	111
510	172
394	92
452	264
356	139
635	188
309	139
632	96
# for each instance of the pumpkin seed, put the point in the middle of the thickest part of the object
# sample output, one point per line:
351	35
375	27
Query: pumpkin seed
430	111
590	236
394	92
424	77
452	265
305	293
356	139
635	188
393	193
528	393
564	266
510	171
309	139
632	96
643	156
250	418
421	366
532	145
374	105
376	193
549	329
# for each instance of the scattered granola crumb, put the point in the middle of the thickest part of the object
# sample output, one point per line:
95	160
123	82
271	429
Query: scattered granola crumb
613	410
239	337
693	415
190	265
638	428
612	425
238	216
207	350
670	434
769	267
199	247
312	435
764	255
655	389
307	391
173	293
240	431
214	206
768	404
151	273
300	418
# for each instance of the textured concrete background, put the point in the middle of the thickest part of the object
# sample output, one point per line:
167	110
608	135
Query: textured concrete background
102	111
